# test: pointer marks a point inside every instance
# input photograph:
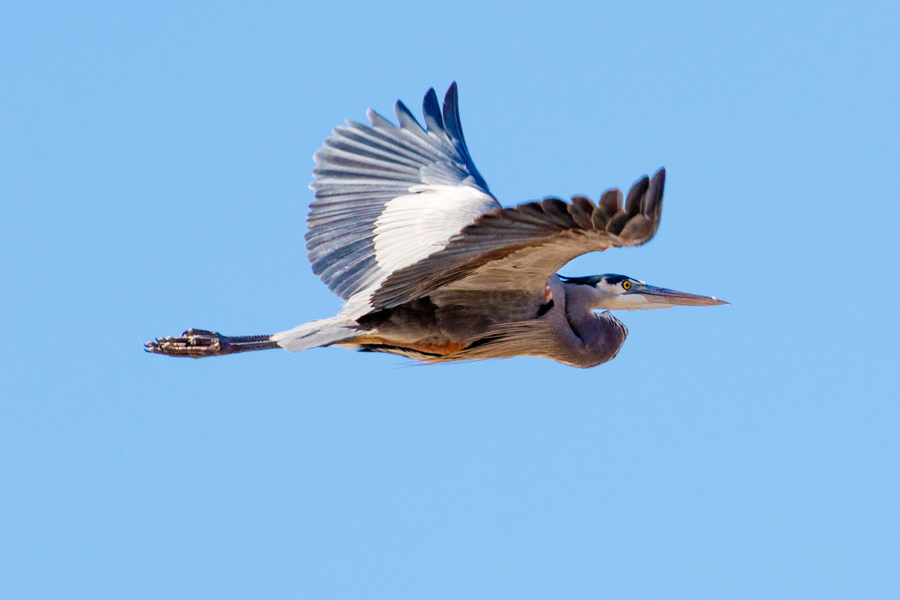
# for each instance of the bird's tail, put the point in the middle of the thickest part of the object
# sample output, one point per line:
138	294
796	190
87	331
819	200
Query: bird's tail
315	334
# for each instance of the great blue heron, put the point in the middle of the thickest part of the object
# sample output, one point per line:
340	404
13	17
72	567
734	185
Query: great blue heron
406	231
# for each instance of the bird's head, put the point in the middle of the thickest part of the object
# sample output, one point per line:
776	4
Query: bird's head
619	292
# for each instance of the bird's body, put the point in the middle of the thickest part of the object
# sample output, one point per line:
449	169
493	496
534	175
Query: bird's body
467	325
405	230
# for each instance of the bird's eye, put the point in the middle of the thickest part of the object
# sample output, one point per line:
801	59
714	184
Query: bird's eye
626	285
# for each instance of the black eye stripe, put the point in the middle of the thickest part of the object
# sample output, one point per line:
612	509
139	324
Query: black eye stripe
595	279
615	279
592	280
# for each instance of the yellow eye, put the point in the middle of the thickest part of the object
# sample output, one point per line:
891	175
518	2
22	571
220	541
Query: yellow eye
626	285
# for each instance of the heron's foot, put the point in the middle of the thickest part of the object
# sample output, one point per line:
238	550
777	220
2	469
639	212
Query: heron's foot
193	343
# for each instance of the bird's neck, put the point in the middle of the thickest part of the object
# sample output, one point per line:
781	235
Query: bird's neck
587	298
581	302
601	334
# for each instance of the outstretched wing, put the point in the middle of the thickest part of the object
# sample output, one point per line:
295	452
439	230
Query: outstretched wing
520	248
388	197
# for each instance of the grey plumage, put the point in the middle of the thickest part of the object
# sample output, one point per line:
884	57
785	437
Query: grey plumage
405	230
360	169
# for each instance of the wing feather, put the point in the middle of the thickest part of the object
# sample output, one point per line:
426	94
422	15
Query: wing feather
388	196
402	211
519	248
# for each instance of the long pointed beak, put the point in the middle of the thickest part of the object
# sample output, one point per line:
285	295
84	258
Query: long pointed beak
656	295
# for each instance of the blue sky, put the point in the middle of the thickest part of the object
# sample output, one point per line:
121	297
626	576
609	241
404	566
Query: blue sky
154	164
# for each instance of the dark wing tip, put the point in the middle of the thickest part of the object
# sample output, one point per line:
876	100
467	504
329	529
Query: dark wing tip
431	108
451	114
643	209
652	203
635	194
453	130
452	93
406	119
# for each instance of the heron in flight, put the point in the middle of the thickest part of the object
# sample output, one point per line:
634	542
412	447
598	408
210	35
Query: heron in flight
404	229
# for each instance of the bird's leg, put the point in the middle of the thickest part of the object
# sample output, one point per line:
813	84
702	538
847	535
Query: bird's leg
197	343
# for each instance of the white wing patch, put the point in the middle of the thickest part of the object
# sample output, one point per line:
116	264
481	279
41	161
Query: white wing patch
419	224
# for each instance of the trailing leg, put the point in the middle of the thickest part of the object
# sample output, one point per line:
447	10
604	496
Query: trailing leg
198	343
